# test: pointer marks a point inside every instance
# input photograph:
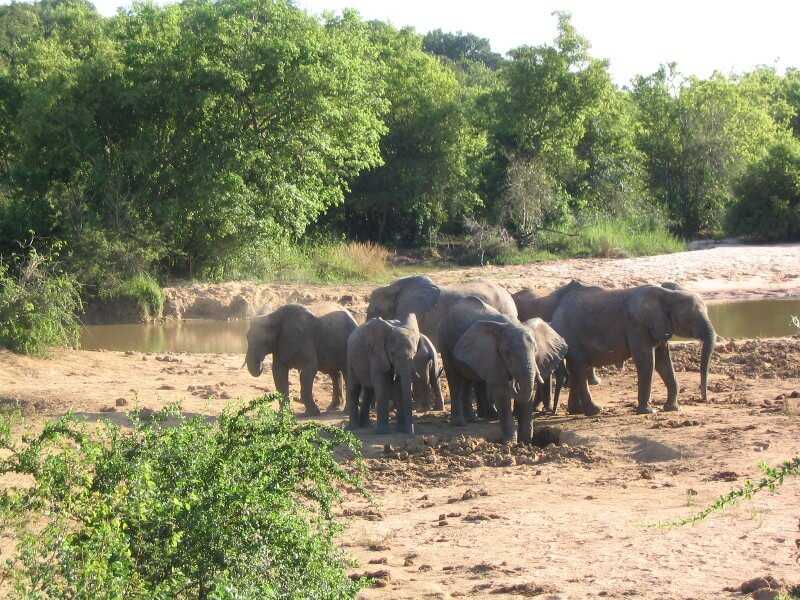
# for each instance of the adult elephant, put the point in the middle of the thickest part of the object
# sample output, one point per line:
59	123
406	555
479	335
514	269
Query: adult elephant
608	326
299	339
481	345
530	305
418	294
380	363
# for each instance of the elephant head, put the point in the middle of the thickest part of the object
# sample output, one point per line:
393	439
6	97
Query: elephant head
393	349
262	339
667	312
503	351
416	294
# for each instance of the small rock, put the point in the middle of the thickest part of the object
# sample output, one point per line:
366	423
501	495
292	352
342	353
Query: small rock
166	386
121	402
379	561
425	569
408	561
795	394
443	523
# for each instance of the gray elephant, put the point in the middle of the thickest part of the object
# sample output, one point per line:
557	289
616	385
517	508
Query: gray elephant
531	305
381	366
430	302
608	326
425	380
299	339
481	345
418	294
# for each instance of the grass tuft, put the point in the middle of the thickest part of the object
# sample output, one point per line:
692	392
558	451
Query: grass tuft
141	289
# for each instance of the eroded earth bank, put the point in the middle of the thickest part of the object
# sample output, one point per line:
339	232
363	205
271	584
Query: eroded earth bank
456	514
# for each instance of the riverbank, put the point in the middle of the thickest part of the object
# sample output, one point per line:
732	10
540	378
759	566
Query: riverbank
724	273
572	520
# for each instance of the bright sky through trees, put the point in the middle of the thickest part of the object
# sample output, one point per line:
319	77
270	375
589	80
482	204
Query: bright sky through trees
636	36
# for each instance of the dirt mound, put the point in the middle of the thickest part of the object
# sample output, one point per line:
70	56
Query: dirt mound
434	462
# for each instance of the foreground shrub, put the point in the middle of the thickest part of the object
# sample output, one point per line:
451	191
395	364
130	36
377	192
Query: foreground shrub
239	508
143	290
38	305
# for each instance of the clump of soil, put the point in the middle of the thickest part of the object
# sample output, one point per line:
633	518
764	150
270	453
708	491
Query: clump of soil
435	462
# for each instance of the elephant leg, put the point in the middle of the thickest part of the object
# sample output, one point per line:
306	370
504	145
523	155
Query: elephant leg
663	363
542	395
438	401
466	402
525	416
307	391
561	381
644	361
280	374
593	378
503	401
405	413
336	397
455	385
580	398
383	396
353	392
367	397
486	408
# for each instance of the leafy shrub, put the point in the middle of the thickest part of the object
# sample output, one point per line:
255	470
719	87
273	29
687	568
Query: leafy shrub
141	289
38	305
769	196
486	244
239	508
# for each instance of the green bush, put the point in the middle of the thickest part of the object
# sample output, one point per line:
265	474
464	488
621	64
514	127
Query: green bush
769	196
186	508
143	290
38	305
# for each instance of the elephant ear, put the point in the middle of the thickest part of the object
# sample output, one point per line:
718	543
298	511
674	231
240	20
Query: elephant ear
417	294
478	348
650	310
376	344
295	326
551	348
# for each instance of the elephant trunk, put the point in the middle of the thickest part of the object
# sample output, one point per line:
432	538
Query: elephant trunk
254	364
709	339
524	400
404	410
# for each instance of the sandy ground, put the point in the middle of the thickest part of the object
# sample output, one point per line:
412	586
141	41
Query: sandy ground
721	273
467	517
457	514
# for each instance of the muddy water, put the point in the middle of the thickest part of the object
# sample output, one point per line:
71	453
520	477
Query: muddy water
757	318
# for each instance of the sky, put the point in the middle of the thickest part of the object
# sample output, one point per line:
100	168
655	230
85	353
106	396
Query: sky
636	36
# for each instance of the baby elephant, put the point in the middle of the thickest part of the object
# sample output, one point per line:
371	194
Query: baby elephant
425	387
299	339
381	366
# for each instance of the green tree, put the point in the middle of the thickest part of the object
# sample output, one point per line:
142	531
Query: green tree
427	178
461	48
768	206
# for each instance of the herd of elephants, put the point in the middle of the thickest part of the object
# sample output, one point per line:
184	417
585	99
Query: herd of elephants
493	346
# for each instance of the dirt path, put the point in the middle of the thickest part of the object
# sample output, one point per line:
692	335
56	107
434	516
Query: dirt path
467	517
722	273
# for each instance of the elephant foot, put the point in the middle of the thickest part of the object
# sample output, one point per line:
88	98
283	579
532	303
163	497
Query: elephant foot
593	379
460	422
671	406
381	429
645	410
407	429
312	410
591	410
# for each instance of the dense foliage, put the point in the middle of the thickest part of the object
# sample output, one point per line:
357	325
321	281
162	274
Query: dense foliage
238	508
208	138
38	304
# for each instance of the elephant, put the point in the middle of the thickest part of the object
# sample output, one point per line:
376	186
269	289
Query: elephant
482	345
380	367
426	391
430	302
531	305
608	326
299	339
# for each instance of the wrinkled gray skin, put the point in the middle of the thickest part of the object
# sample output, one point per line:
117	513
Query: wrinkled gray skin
425	387
603	327
481	345
381	367
418	294
531	305
298	339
